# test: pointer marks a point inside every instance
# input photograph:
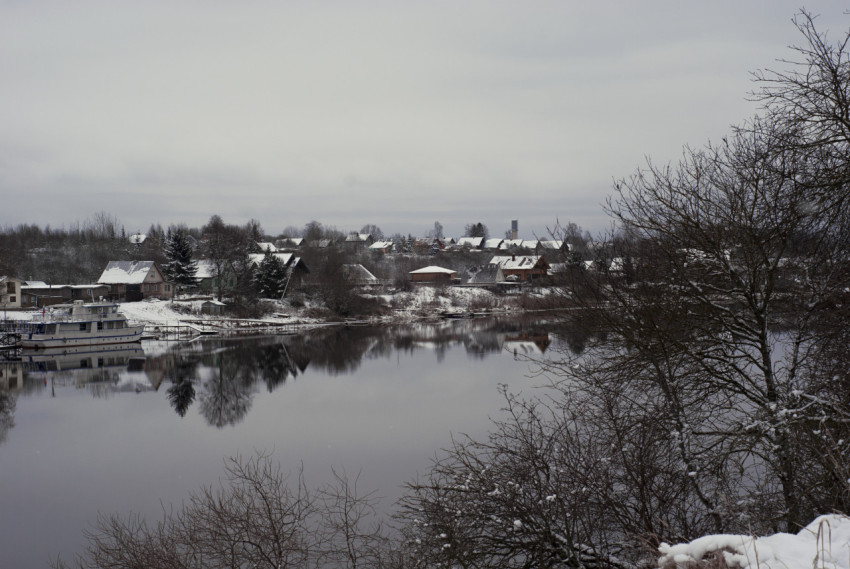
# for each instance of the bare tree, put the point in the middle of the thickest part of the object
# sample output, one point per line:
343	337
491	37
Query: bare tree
254	518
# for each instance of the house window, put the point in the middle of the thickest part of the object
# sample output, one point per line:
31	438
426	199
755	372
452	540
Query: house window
10	288
168	288
12	299
82	326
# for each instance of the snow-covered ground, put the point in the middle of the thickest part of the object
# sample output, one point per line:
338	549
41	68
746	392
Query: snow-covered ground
823	544
401	306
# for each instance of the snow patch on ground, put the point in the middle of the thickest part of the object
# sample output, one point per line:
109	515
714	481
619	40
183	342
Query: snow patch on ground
824	544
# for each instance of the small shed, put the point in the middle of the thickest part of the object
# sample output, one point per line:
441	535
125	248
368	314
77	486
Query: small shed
213	307
433	274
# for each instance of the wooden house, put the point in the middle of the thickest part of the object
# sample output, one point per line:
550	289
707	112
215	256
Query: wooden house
10	292
132	281
522	267
433	275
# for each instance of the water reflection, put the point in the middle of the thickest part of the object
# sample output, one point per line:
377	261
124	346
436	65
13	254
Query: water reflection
220	376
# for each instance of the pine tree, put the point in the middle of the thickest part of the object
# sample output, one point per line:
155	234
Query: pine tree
179	267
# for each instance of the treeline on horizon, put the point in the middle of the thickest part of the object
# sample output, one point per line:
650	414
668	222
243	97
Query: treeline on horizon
79	253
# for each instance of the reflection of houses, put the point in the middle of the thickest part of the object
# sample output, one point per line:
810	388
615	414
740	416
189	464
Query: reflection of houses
433	275
11	375
521	267
527	344
10	292
37	294
135	280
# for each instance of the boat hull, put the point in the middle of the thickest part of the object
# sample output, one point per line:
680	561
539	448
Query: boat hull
36	341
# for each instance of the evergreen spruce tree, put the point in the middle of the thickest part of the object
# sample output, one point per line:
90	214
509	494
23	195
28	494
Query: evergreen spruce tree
270	276
179	267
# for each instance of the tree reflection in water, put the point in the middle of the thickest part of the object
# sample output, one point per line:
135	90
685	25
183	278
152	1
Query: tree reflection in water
225	373
7	413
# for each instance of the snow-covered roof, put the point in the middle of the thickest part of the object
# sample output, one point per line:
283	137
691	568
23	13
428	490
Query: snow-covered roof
432	269
205	269
357	237
257	258
493	243
137	238
290	242
511	244
515	261
554	244
265	246
125	272
381	245
470	241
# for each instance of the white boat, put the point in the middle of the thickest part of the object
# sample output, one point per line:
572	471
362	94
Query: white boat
79	324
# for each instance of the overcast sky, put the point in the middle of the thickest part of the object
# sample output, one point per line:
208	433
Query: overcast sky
389	113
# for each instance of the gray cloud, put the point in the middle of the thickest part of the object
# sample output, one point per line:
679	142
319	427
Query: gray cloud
370	112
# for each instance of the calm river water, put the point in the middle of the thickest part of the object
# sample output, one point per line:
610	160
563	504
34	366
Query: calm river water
139	428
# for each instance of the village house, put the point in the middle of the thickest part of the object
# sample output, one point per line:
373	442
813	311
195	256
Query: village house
207	277
358	241
135	280
470	242
288	260
10	292
521	267
433	275
382	247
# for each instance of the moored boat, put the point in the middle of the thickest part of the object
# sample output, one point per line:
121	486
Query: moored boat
79	324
